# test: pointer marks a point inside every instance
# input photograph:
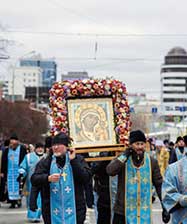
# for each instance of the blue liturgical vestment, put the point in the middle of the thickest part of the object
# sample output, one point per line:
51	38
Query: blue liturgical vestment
180	155
138	192
62	195
13	166
27	169
174	188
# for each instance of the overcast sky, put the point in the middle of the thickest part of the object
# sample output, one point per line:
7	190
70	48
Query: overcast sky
154	27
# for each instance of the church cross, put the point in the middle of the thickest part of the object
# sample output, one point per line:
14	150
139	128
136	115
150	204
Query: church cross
64	175
69	211
55	190
56	211
145	207
131	207
68	189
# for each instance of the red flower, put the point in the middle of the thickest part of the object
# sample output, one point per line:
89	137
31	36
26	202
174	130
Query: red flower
59	98
118	85
74	92
113	89
116	105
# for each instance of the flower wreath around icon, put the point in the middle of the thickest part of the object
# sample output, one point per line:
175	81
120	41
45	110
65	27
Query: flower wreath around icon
89	88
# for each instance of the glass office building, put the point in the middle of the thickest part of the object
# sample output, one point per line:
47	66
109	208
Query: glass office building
49	69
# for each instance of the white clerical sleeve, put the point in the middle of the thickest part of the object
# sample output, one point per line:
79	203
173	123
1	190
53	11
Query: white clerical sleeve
23	168
170	194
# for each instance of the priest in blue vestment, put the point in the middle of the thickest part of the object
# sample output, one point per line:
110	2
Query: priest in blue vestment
12	157
137	171
61	177
26	169
174	191
179	151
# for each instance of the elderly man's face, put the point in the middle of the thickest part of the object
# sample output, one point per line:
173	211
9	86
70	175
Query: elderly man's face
59	150
138	147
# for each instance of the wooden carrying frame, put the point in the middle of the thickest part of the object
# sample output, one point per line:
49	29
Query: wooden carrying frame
117	149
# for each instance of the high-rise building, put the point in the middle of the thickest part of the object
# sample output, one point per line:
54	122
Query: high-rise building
20	78
174	84
48	66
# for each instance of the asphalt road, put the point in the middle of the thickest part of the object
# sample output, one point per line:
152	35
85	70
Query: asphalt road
18	216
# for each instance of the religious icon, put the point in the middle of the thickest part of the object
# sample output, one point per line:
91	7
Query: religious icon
91	121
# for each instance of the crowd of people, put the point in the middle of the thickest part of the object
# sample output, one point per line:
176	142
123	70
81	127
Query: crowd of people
60	185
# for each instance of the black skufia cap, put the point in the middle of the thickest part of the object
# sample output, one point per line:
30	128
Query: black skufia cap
48	142
39	145
14	137
61	138
137	136
179	138
185	139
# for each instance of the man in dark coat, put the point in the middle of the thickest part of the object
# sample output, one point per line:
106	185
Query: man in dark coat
3	194
44	178
11	159
136	172
102	188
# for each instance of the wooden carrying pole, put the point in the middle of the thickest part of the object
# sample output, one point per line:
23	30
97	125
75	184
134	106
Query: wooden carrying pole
117	149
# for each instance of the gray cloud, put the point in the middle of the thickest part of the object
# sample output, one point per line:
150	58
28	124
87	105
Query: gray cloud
113	17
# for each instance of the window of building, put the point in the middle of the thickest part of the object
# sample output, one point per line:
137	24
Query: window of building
175	77
168	100
174	84
168	108
174	92
173	70
177	108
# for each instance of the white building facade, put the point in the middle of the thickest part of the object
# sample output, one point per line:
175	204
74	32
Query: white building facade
21	77
174	84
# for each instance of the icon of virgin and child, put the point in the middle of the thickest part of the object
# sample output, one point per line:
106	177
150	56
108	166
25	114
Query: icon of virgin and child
91	123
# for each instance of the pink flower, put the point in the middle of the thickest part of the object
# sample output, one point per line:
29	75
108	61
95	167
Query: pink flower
64	130
95	86
101	92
